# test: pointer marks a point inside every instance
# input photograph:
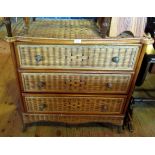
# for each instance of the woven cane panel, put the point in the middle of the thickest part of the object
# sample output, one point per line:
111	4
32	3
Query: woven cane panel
79	83
78	56
62	29
77	104
30	118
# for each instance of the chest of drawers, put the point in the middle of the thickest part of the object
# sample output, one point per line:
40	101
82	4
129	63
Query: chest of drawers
76	80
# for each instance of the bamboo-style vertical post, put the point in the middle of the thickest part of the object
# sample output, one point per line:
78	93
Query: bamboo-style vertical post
7	23
26	24
104	25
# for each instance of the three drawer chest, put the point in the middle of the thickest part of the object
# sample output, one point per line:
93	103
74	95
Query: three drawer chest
67	73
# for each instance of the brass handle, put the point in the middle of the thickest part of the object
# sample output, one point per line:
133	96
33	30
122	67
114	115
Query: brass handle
41	84
42	106
38	58
104	108
109	85
115	59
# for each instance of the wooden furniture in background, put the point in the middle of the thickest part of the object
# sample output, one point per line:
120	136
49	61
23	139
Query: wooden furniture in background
133	25
115	26
107	26
68	73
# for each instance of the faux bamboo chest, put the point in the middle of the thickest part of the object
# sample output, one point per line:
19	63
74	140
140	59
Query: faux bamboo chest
69	73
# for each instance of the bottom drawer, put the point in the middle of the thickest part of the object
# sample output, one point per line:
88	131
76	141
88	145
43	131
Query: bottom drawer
73	119
74	104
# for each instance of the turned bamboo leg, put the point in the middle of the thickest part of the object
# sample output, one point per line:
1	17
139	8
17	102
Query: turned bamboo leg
128	122
26	24
7	23
24	128
104	25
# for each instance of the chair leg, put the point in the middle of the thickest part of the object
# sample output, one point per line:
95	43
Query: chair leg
7	23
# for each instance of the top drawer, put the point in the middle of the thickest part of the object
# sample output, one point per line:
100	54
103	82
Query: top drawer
96	57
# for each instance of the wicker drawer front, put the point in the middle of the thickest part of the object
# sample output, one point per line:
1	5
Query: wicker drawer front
97	57
74	104
76	83
72	118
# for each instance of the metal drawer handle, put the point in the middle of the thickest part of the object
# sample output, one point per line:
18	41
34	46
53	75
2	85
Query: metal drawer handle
115	59
109	85
41	84
104	108
42	106
38	58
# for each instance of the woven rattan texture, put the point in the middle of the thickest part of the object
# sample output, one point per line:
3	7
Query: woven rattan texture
77	56
68	29
30	118
96	105
79	83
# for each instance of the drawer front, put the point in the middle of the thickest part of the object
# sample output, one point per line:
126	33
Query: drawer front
73	118
74	104
97	57
76	83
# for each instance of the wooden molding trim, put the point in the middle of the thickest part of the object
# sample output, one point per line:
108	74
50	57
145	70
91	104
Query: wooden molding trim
10	39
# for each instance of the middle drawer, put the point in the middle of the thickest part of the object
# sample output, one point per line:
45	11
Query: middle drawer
75	82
